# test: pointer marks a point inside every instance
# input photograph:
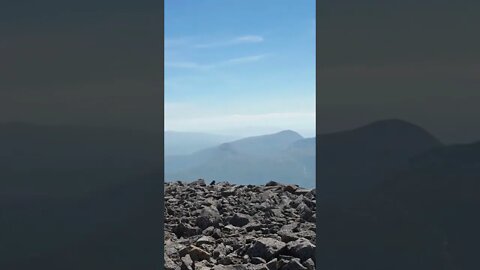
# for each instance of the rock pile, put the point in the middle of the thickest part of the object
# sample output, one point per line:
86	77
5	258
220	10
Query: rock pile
225	226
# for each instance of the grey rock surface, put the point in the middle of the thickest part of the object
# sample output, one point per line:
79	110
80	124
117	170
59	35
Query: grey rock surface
227	226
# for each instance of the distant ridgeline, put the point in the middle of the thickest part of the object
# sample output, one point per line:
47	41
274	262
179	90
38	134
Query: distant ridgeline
68	160
394	197
351	163
284	156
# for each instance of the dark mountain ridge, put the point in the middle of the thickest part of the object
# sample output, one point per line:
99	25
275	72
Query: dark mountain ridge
41	157
419	213
354	161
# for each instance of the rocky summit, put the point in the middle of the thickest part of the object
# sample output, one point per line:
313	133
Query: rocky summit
224	226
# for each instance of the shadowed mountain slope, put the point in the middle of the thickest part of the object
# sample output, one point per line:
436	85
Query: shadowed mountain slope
421	215
249	160
354	161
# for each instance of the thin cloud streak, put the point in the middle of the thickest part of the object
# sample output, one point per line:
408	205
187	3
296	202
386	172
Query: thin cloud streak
246	59
229	62
293	120
235	41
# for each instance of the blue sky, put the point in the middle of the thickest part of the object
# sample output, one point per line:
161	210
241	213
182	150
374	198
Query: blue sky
240	66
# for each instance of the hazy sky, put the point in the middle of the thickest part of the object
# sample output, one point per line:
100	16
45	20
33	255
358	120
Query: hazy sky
414	60
240	65
81	62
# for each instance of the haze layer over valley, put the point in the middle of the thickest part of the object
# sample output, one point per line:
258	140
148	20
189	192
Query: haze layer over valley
285	156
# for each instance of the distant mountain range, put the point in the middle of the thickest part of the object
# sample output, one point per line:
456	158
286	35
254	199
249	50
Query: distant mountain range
284	156
393	197
63	160
354	161
184	143
370	152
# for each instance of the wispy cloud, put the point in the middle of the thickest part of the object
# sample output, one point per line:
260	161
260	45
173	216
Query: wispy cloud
292	120
246	59
229	62
196	117
235	41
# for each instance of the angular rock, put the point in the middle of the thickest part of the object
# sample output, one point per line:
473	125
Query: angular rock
227	226
199	182
239	220
272	183
209	216
186	230
309	264
305	212
170	264
187	263
290	188
294	265
198	254
273	264
302	249
205	240
265	248
258	260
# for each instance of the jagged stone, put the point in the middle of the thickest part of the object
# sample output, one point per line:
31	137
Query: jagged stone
187	263
209	216
258	260
198	254
239	220
170	264
302	249
265	248
273	264
226	226
272	183
199	182
294	264
186	230
309	264
205	240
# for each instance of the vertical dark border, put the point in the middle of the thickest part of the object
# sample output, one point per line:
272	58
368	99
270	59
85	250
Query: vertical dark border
317	128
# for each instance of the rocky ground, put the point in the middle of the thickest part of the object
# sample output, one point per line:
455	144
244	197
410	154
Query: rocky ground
225	226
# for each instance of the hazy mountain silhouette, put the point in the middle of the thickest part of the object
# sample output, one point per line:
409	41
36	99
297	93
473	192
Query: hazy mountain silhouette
354	161
74	197
419	215
368	153
62	160
250	160
184	143
464	157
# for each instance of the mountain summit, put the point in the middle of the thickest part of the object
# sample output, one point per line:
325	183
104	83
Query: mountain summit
353	161
250	160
